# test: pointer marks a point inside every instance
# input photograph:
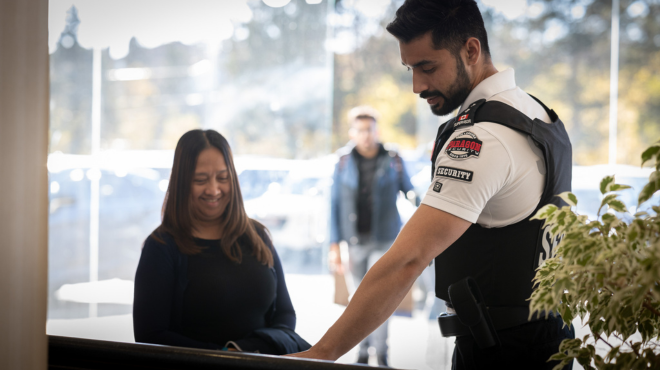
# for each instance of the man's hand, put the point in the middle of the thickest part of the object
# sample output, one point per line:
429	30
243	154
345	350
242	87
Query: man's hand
334	259
311	353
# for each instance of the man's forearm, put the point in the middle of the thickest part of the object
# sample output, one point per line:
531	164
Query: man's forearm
379	294
428	233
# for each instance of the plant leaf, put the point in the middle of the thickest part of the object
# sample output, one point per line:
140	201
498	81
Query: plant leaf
545	211
648	154
618	206
617	187
608	217
569	198
607	199
605	182
650	188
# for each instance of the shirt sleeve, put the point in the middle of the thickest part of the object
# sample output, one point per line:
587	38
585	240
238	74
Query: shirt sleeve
471	168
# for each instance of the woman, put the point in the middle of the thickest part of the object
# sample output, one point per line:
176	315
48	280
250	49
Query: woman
208	276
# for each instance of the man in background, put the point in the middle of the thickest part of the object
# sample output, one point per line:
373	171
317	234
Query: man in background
364	215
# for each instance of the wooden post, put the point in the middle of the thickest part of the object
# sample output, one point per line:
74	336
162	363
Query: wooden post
24	102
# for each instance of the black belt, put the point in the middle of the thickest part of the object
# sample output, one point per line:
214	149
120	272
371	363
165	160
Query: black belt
474	318
501	317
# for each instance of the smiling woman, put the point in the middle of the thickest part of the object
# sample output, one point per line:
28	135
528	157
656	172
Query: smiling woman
210	193
209	276
204	199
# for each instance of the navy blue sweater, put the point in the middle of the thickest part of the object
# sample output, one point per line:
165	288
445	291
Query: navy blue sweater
162	311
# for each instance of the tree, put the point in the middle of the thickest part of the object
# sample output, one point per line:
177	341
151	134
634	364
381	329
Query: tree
561	52
371	73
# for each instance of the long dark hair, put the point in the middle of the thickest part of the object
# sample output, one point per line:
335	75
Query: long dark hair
177	215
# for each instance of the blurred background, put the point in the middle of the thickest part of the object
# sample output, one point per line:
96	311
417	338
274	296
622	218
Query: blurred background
277	77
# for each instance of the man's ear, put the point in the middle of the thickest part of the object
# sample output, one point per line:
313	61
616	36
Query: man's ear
473	51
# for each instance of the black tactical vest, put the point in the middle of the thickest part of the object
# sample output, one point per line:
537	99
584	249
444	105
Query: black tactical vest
503	260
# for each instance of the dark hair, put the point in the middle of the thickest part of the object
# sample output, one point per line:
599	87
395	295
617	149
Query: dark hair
363	112
451	22
177	215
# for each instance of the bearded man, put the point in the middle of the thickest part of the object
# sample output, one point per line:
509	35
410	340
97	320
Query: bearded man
499	160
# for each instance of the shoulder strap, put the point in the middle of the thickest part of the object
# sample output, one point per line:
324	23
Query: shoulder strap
490	111
464	119
551	138
551	113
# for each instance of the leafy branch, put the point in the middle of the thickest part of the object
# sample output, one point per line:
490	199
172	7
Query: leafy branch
648	306
607	272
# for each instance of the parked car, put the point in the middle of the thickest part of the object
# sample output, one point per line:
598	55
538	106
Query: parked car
296	210
586	186
129	209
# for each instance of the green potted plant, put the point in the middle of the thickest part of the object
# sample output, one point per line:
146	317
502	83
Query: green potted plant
607	272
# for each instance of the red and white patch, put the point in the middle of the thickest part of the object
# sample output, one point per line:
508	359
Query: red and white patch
464	146
463	121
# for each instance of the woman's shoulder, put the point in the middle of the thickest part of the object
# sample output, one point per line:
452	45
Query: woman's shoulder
262	231
161	241
258	226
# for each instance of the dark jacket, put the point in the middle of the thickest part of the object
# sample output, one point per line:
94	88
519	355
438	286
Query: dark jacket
160	283
389	179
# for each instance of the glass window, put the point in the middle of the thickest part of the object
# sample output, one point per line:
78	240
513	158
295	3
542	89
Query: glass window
126	84
277	78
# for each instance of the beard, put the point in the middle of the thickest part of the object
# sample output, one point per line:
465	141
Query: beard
456	94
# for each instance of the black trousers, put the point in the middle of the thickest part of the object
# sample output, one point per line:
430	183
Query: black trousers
526	346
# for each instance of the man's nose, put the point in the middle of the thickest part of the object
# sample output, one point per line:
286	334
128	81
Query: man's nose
419	82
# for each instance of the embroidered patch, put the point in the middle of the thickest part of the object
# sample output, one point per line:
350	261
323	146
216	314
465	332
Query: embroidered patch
463	120
464	146
455	173
437	186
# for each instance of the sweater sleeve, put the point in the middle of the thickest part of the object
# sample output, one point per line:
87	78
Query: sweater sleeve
153	300
284	312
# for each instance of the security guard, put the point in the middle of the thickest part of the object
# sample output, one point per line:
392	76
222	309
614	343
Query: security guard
498	161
